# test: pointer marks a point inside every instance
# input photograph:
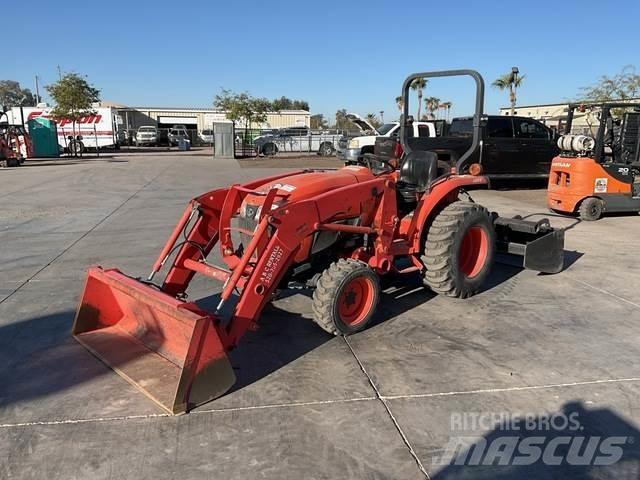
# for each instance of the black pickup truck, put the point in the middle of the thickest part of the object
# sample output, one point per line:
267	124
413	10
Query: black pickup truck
510	147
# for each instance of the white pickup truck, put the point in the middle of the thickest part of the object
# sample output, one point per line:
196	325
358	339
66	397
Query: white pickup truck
350	150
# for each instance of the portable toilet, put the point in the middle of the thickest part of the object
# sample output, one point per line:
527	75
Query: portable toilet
44	136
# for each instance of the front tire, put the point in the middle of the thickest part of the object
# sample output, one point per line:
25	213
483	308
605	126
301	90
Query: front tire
345	297
591	209
459	250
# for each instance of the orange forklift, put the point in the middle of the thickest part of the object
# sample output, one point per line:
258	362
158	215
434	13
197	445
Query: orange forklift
598	173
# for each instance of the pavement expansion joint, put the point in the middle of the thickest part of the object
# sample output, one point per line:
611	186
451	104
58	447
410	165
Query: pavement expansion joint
510	389
606	292
72	421
77	240
382	400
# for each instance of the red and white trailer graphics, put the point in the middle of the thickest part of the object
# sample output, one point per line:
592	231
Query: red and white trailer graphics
98	129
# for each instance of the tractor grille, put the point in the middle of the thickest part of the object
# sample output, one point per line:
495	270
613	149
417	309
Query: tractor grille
247	222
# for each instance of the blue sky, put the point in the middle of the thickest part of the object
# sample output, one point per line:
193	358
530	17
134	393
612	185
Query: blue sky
351	55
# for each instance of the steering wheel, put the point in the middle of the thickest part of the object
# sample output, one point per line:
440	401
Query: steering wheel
370	158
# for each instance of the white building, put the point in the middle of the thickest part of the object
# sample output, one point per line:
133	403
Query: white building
555	114
198	118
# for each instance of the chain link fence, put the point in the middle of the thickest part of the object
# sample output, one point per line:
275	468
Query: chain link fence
299	140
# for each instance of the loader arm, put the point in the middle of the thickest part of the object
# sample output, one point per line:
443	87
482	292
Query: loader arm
172	350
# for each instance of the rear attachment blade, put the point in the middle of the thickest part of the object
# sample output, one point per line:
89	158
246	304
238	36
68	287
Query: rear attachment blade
540	246
167	348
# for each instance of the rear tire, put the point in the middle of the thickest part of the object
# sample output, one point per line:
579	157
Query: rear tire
269	150
326	150
459	250
591	209
345	297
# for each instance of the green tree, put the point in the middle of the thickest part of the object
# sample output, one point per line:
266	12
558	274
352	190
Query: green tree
419	85
509	81
342	122
622	86
12	95
242	107
285	103
300	105
432	104
318	122
373	120
74	97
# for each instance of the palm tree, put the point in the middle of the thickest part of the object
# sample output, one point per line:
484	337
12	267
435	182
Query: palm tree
432	104
372	119
509	81
400	103
418	85
447	106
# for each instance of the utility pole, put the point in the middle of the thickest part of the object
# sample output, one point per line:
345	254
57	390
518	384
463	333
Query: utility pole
37	91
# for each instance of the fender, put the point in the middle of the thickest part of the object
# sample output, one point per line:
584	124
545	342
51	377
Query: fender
426	209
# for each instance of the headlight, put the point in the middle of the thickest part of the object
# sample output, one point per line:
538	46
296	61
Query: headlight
354	143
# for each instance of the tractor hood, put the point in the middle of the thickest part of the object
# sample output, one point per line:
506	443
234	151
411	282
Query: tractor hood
308	185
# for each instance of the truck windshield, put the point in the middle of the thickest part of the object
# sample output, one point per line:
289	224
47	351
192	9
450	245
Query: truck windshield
384	129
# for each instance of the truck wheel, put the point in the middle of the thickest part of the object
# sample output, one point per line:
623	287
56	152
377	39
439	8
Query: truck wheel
345	297
269	150
459	250
326	150
591	209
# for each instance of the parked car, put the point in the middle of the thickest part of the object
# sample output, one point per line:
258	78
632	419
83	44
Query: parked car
296	139
510	147
176	134
206	136
147	135
356	147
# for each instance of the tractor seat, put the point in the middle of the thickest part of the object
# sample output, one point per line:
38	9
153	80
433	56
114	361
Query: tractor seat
417	171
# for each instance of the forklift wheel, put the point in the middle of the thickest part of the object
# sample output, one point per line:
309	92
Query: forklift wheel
459	250
591	209
346	297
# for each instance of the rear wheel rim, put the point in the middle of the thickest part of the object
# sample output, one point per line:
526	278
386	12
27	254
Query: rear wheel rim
355	301
474	251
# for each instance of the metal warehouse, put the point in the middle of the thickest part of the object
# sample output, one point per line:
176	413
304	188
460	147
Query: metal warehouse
199	118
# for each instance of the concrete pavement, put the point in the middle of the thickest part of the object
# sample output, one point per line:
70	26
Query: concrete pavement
379	405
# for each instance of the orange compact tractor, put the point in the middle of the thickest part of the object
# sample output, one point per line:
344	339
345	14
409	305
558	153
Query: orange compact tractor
333	231
598	172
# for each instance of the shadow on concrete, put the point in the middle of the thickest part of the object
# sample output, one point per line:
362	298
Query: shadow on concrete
38	357
51	162
575	443
519	184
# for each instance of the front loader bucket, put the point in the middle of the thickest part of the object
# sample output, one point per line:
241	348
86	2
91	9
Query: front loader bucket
167	348
540	245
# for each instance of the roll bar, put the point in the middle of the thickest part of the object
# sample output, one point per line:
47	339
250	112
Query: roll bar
477	116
